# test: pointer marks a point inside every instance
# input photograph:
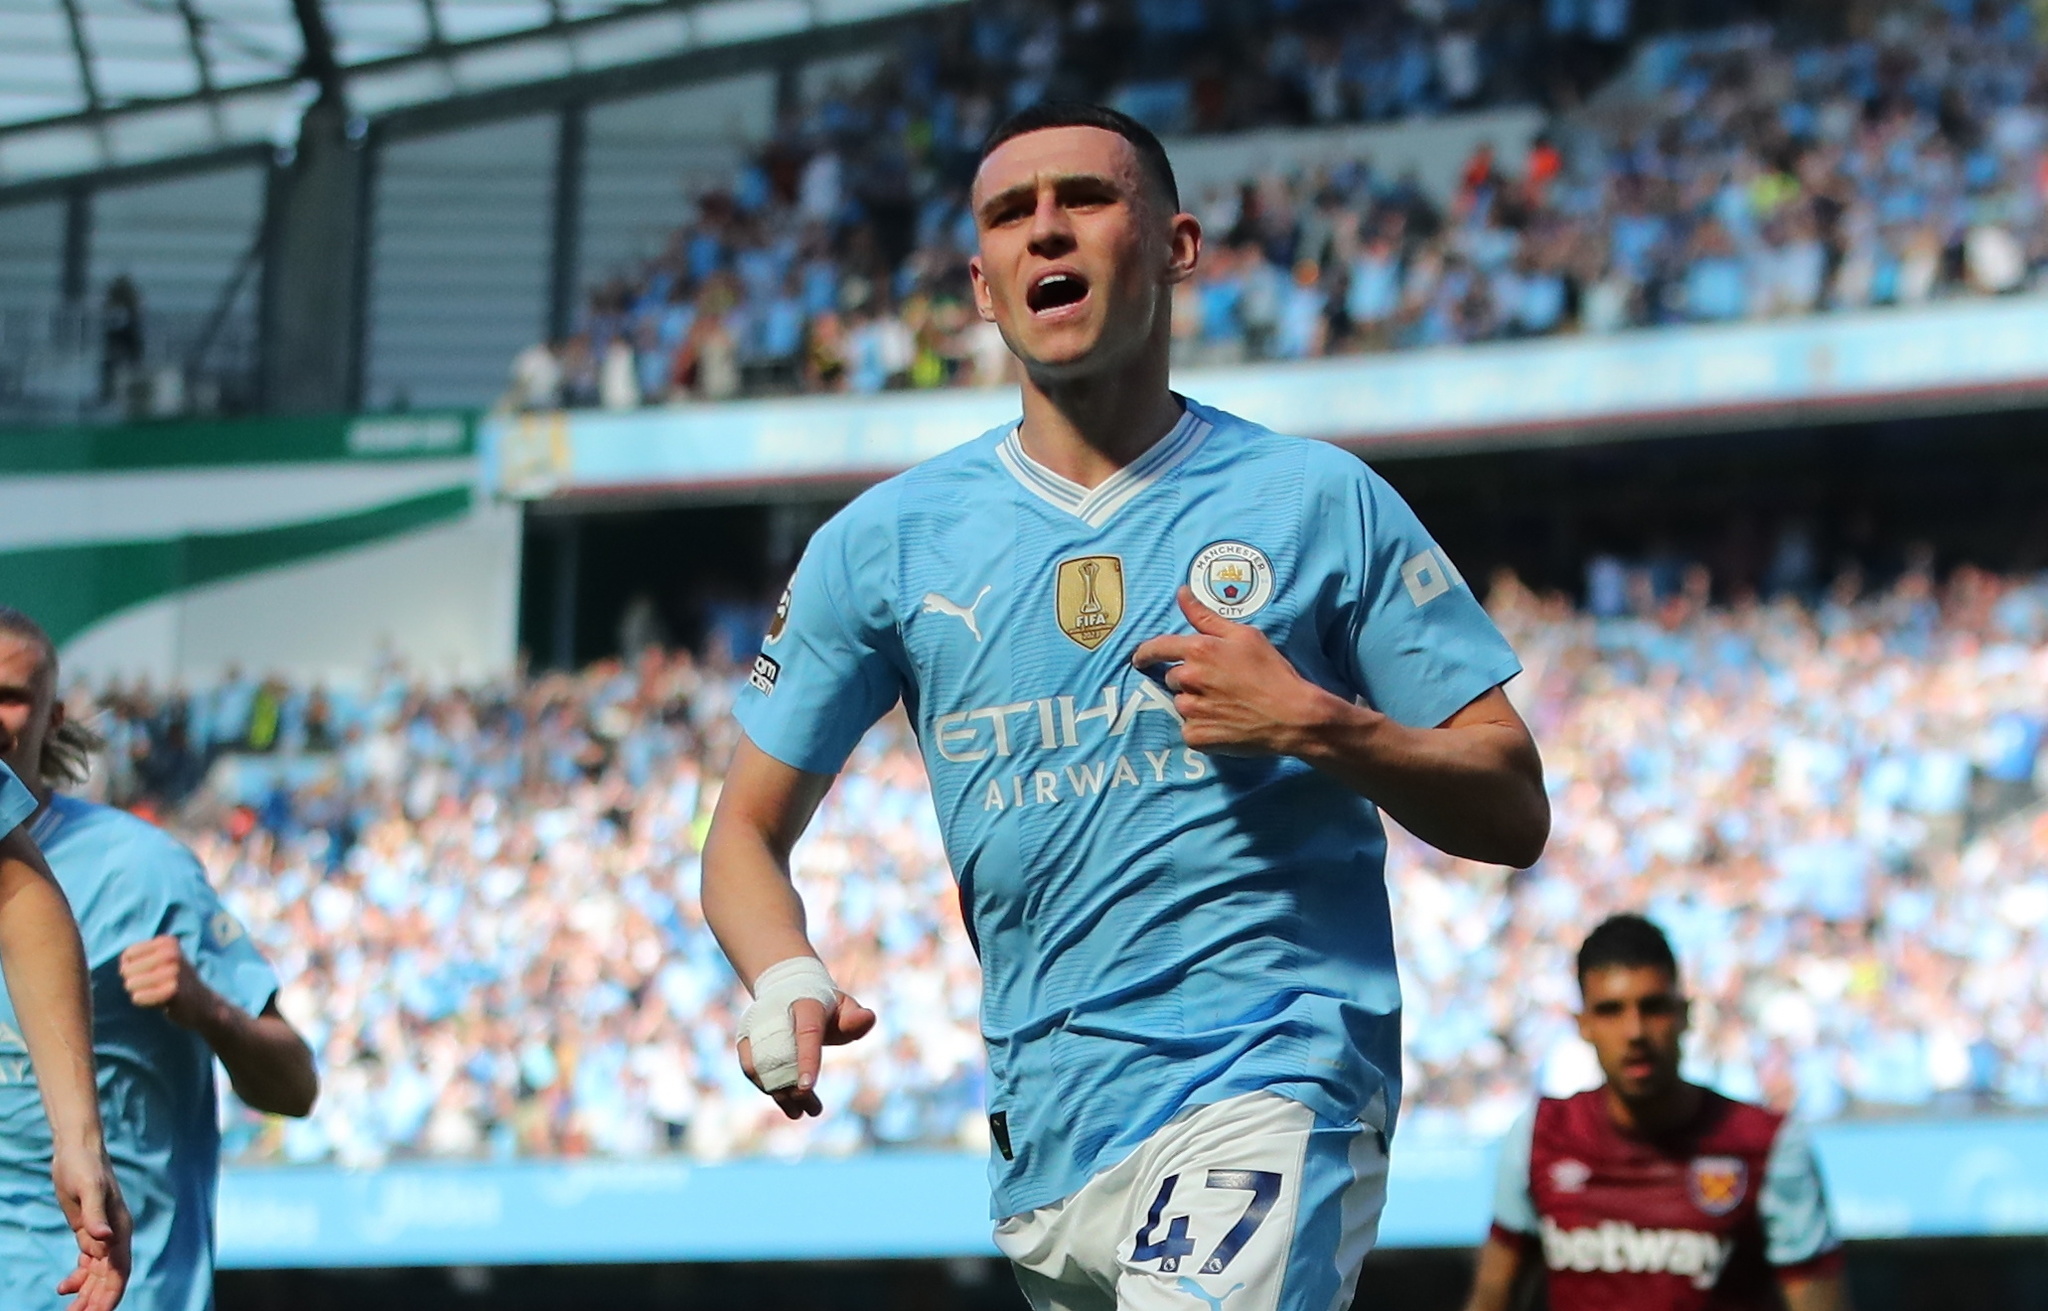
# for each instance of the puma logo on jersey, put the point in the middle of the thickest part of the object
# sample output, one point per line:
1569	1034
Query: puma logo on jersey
934	604
1617	1247
1195	1290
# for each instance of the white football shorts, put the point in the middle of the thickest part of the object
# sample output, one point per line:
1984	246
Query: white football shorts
1250	1204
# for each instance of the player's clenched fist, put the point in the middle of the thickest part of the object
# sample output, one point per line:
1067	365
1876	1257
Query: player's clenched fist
158	977
1235	692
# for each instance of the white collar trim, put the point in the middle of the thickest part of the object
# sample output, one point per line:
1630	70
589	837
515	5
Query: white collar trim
1098	505
44	825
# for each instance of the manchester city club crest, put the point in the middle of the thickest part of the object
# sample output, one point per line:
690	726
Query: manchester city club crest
1718	1183
1232	578
1088	598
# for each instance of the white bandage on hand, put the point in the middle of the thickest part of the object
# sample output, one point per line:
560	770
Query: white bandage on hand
767	1025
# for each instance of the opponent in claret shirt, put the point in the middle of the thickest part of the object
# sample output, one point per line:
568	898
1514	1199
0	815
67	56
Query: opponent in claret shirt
1650	1193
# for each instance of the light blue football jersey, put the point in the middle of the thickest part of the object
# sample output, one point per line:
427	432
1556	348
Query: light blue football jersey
128	882
17	803
1158	928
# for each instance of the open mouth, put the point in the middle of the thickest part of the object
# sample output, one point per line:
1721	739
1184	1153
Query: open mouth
1055	289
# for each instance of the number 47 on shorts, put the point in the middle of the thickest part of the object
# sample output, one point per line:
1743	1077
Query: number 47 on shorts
1169	1247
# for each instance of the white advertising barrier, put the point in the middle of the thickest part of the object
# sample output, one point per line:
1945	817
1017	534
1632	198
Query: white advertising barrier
1965	353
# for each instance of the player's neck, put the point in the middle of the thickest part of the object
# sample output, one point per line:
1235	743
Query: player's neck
1655	1117
1085	429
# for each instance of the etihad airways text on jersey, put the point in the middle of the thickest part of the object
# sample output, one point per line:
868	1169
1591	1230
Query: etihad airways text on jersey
1058	723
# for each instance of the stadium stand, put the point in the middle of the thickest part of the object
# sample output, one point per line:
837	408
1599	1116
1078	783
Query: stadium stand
483	897
1729	175
1788	279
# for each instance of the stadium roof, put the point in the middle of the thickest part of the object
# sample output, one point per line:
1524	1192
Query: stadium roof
87	85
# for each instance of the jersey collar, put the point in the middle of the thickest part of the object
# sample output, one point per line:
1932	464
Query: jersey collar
1098	505
46	821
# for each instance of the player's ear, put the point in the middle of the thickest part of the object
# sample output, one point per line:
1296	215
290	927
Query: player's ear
984	304
1183	248
1585	1023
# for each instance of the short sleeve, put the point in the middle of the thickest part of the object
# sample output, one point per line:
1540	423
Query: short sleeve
1514	1210
1417	643
827	668
214	940
1793	1205
17	803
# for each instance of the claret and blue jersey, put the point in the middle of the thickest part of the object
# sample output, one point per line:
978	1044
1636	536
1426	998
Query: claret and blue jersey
1158	927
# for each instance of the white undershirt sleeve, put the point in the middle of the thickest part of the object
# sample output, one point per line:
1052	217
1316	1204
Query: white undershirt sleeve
1793	1205
1513	1208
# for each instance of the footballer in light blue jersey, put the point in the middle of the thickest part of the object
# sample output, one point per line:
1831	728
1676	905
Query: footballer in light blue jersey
1166	853
1158	927
174	980
127	882
97	1267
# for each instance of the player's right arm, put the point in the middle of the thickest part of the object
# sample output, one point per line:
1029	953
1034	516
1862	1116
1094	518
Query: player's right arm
829	667
1799	1235
755	913
1828	1292
44	964
1497	1276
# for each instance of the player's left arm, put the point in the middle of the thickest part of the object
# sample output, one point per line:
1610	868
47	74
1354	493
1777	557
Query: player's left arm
205	975
1799	1240
269	1064
1471	786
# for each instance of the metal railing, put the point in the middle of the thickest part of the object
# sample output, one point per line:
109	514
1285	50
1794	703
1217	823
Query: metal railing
57	365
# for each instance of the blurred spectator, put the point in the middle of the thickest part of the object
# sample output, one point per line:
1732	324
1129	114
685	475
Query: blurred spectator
618	386
1727	177
483	898
120	341
536	378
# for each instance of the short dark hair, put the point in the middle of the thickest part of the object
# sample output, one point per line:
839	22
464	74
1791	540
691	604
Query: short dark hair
1629	941
1073	113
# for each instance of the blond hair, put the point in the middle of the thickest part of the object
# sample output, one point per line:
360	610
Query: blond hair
67	751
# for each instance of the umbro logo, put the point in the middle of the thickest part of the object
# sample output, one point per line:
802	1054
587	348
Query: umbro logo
1569	1176
934	604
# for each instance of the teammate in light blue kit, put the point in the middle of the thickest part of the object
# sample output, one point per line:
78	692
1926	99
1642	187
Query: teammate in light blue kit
44	963
175	982
1165	848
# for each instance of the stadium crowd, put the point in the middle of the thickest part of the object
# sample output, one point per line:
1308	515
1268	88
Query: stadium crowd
1728	176
483	899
